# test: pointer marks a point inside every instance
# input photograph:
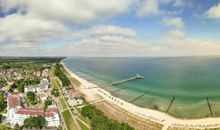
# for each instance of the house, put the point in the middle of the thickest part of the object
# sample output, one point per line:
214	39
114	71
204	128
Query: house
43	96
13	104
45	73
14	101
75	102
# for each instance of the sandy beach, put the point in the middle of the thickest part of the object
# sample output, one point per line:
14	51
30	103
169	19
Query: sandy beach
92	90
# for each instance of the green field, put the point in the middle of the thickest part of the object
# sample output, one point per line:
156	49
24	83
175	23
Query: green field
55	82
69	120
83	127
62	103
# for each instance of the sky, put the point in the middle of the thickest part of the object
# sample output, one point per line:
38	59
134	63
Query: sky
114	28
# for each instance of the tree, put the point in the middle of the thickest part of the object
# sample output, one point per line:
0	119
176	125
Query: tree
17	127
47	103
3	103
88	111
59	73
125	126
55	92
99	123
21	88
32	97
35	122
3	83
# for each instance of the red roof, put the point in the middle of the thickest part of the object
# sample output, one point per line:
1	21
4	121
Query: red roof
37	112
74	93
13	101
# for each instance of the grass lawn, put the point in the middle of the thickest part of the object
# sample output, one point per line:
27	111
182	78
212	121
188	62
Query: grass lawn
3	127
53	79
62	103
83	127
69	120
85	119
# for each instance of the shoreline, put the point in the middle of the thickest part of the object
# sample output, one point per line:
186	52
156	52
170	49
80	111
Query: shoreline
145	113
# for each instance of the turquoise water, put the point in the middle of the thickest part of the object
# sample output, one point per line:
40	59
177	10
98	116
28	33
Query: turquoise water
190	79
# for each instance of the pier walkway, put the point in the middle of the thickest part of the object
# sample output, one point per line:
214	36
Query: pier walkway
138	97
210	108
125	80
171	102
117	82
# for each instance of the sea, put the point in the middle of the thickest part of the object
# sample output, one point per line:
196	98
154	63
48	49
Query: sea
183	87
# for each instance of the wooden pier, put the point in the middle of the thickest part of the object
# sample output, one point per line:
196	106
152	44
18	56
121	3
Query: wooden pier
171	102
210	108
125	80
138	97
117	82
114	91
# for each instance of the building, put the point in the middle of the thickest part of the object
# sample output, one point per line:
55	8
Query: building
16	114
45	73
43	96
29	89
51	115
43	86
72	93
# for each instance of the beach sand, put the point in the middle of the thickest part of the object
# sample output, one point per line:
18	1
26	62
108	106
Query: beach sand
91	91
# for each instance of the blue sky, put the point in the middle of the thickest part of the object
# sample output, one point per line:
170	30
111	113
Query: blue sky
109	28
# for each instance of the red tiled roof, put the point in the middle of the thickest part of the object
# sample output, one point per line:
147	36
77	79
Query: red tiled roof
73	93
13	101
37	112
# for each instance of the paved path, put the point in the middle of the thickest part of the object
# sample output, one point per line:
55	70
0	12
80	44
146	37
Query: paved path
68	108
92	103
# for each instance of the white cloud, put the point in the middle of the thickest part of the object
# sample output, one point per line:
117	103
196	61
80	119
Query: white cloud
175	33
117	46
175	22
73	11
214	12
100	30
190	47
148	8
25	28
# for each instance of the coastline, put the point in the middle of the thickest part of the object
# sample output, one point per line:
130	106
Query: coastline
91	90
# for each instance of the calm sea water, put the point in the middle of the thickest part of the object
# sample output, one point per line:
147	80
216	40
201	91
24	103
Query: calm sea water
189	79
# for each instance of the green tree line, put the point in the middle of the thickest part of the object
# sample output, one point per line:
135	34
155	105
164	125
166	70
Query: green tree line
59	73
99	121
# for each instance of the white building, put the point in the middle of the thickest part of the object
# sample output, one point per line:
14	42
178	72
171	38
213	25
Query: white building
17	114
43	86
29	89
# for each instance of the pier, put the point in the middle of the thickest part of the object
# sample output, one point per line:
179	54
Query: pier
118	82
114	91
210	109
125	80
171	102
138	97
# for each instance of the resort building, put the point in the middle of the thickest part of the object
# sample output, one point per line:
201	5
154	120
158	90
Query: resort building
43	86
16	114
